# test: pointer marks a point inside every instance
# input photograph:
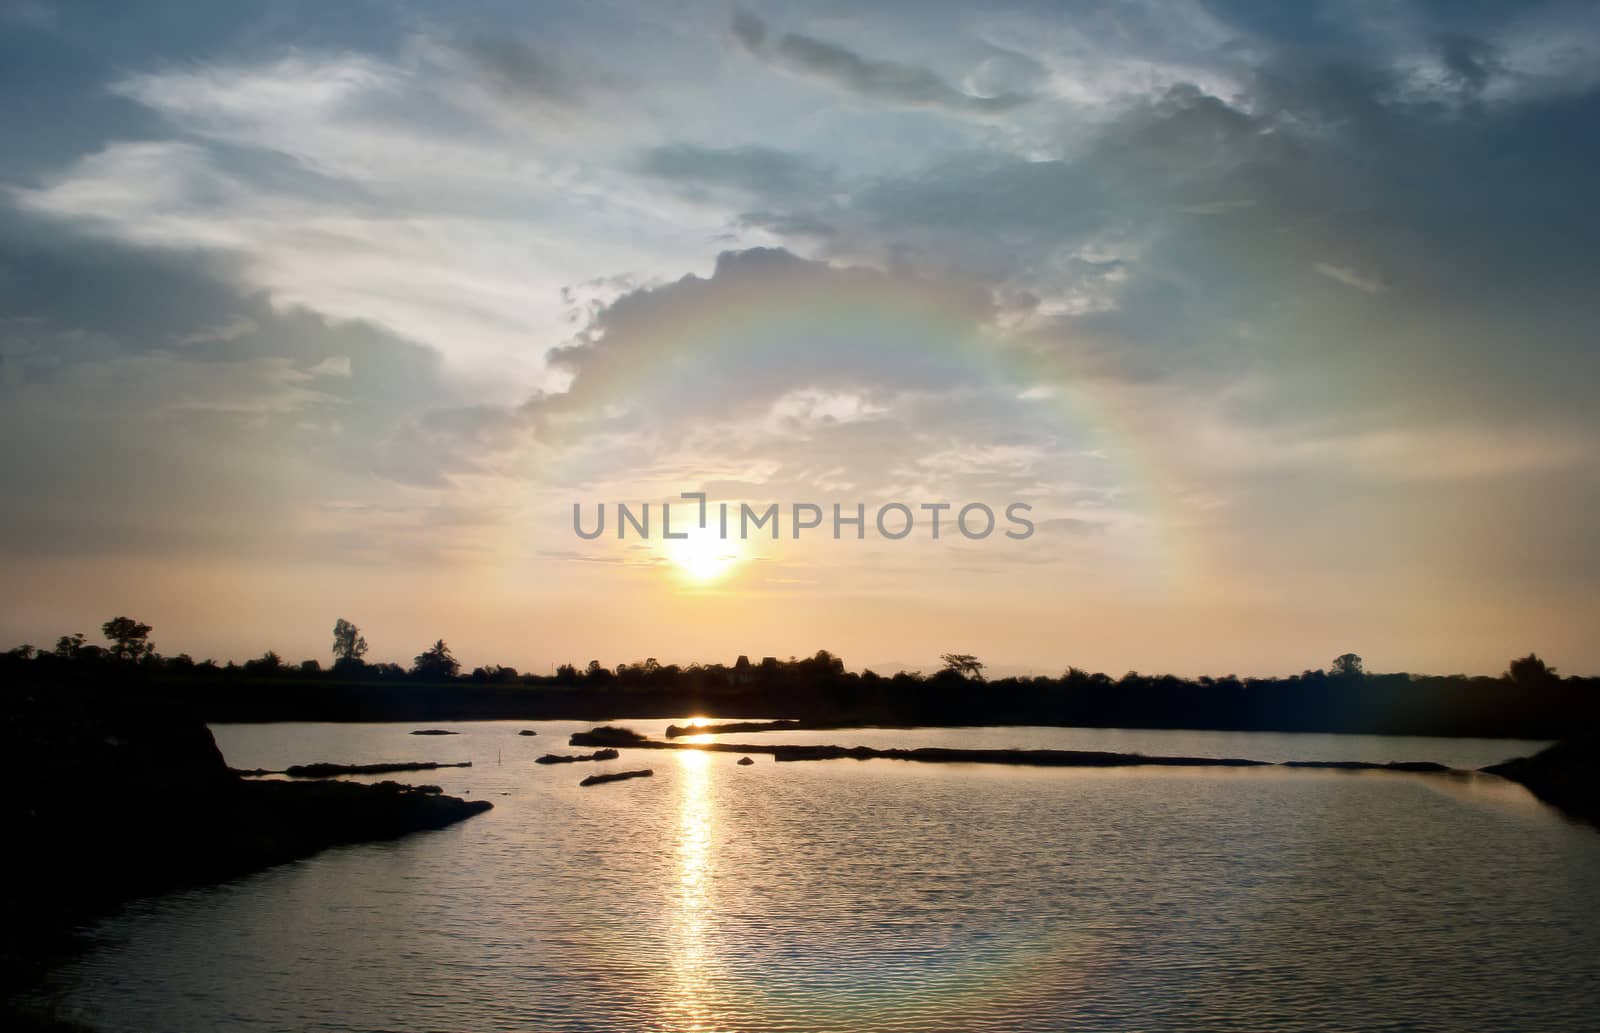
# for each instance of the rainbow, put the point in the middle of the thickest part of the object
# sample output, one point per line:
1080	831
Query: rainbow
767	314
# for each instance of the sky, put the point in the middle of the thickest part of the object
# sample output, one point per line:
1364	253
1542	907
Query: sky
1280	318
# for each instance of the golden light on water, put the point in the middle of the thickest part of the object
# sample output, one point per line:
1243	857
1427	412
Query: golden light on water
696	832
697	737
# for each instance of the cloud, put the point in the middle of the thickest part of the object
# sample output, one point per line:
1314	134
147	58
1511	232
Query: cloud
1273	286
1072	526
332	366
784	224
527	74
1351	278
854	384
230	331
218	423
762	171
635	331
304	176
880	82
221	98
1426	453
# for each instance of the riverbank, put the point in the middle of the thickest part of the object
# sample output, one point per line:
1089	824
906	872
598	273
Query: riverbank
797	866
817	696
114	799
1566	775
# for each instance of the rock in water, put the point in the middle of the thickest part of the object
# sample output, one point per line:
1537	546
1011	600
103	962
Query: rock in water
557	758
745	760
434	731
607	735
617	776
324	769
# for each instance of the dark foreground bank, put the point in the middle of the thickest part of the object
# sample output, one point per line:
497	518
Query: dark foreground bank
112	799
1566	775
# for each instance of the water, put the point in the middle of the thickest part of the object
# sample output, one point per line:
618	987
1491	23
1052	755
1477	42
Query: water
885	896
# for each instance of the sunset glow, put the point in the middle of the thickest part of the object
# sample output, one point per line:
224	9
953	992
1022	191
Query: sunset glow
703	556
348	318
1112	485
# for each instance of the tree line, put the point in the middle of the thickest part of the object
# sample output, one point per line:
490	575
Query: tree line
129	646
1529	698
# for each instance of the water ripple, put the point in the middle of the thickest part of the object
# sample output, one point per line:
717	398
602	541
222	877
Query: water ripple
881	897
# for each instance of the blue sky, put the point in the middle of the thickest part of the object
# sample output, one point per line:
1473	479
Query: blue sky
1281	317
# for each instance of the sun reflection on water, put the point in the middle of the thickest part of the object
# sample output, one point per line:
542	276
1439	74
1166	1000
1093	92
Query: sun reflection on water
693	958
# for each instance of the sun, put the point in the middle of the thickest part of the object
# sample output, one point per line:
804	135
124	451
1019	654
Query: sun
703	556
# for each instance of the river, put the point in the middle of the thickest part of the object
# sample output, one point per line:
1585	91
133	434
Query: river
886	896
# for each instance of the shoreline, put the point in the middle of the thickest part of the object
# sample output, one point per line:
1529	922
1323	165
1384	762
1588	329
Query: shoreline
866	724
621	738
799	691
104	776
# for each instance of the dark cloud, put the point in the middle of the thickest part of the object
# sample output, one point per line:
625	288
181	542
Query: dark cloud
54	70
637	330
862	384
212	418
748	30
524	73
1469	60
880	82
1357	247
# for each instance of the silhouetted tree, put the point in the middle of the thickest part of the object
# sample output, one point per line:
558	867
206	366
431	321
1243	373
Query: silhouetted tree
964	664
1530	670
128	637
69	646
348	642
825	664
310	667
267	663
1346	665
436	662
